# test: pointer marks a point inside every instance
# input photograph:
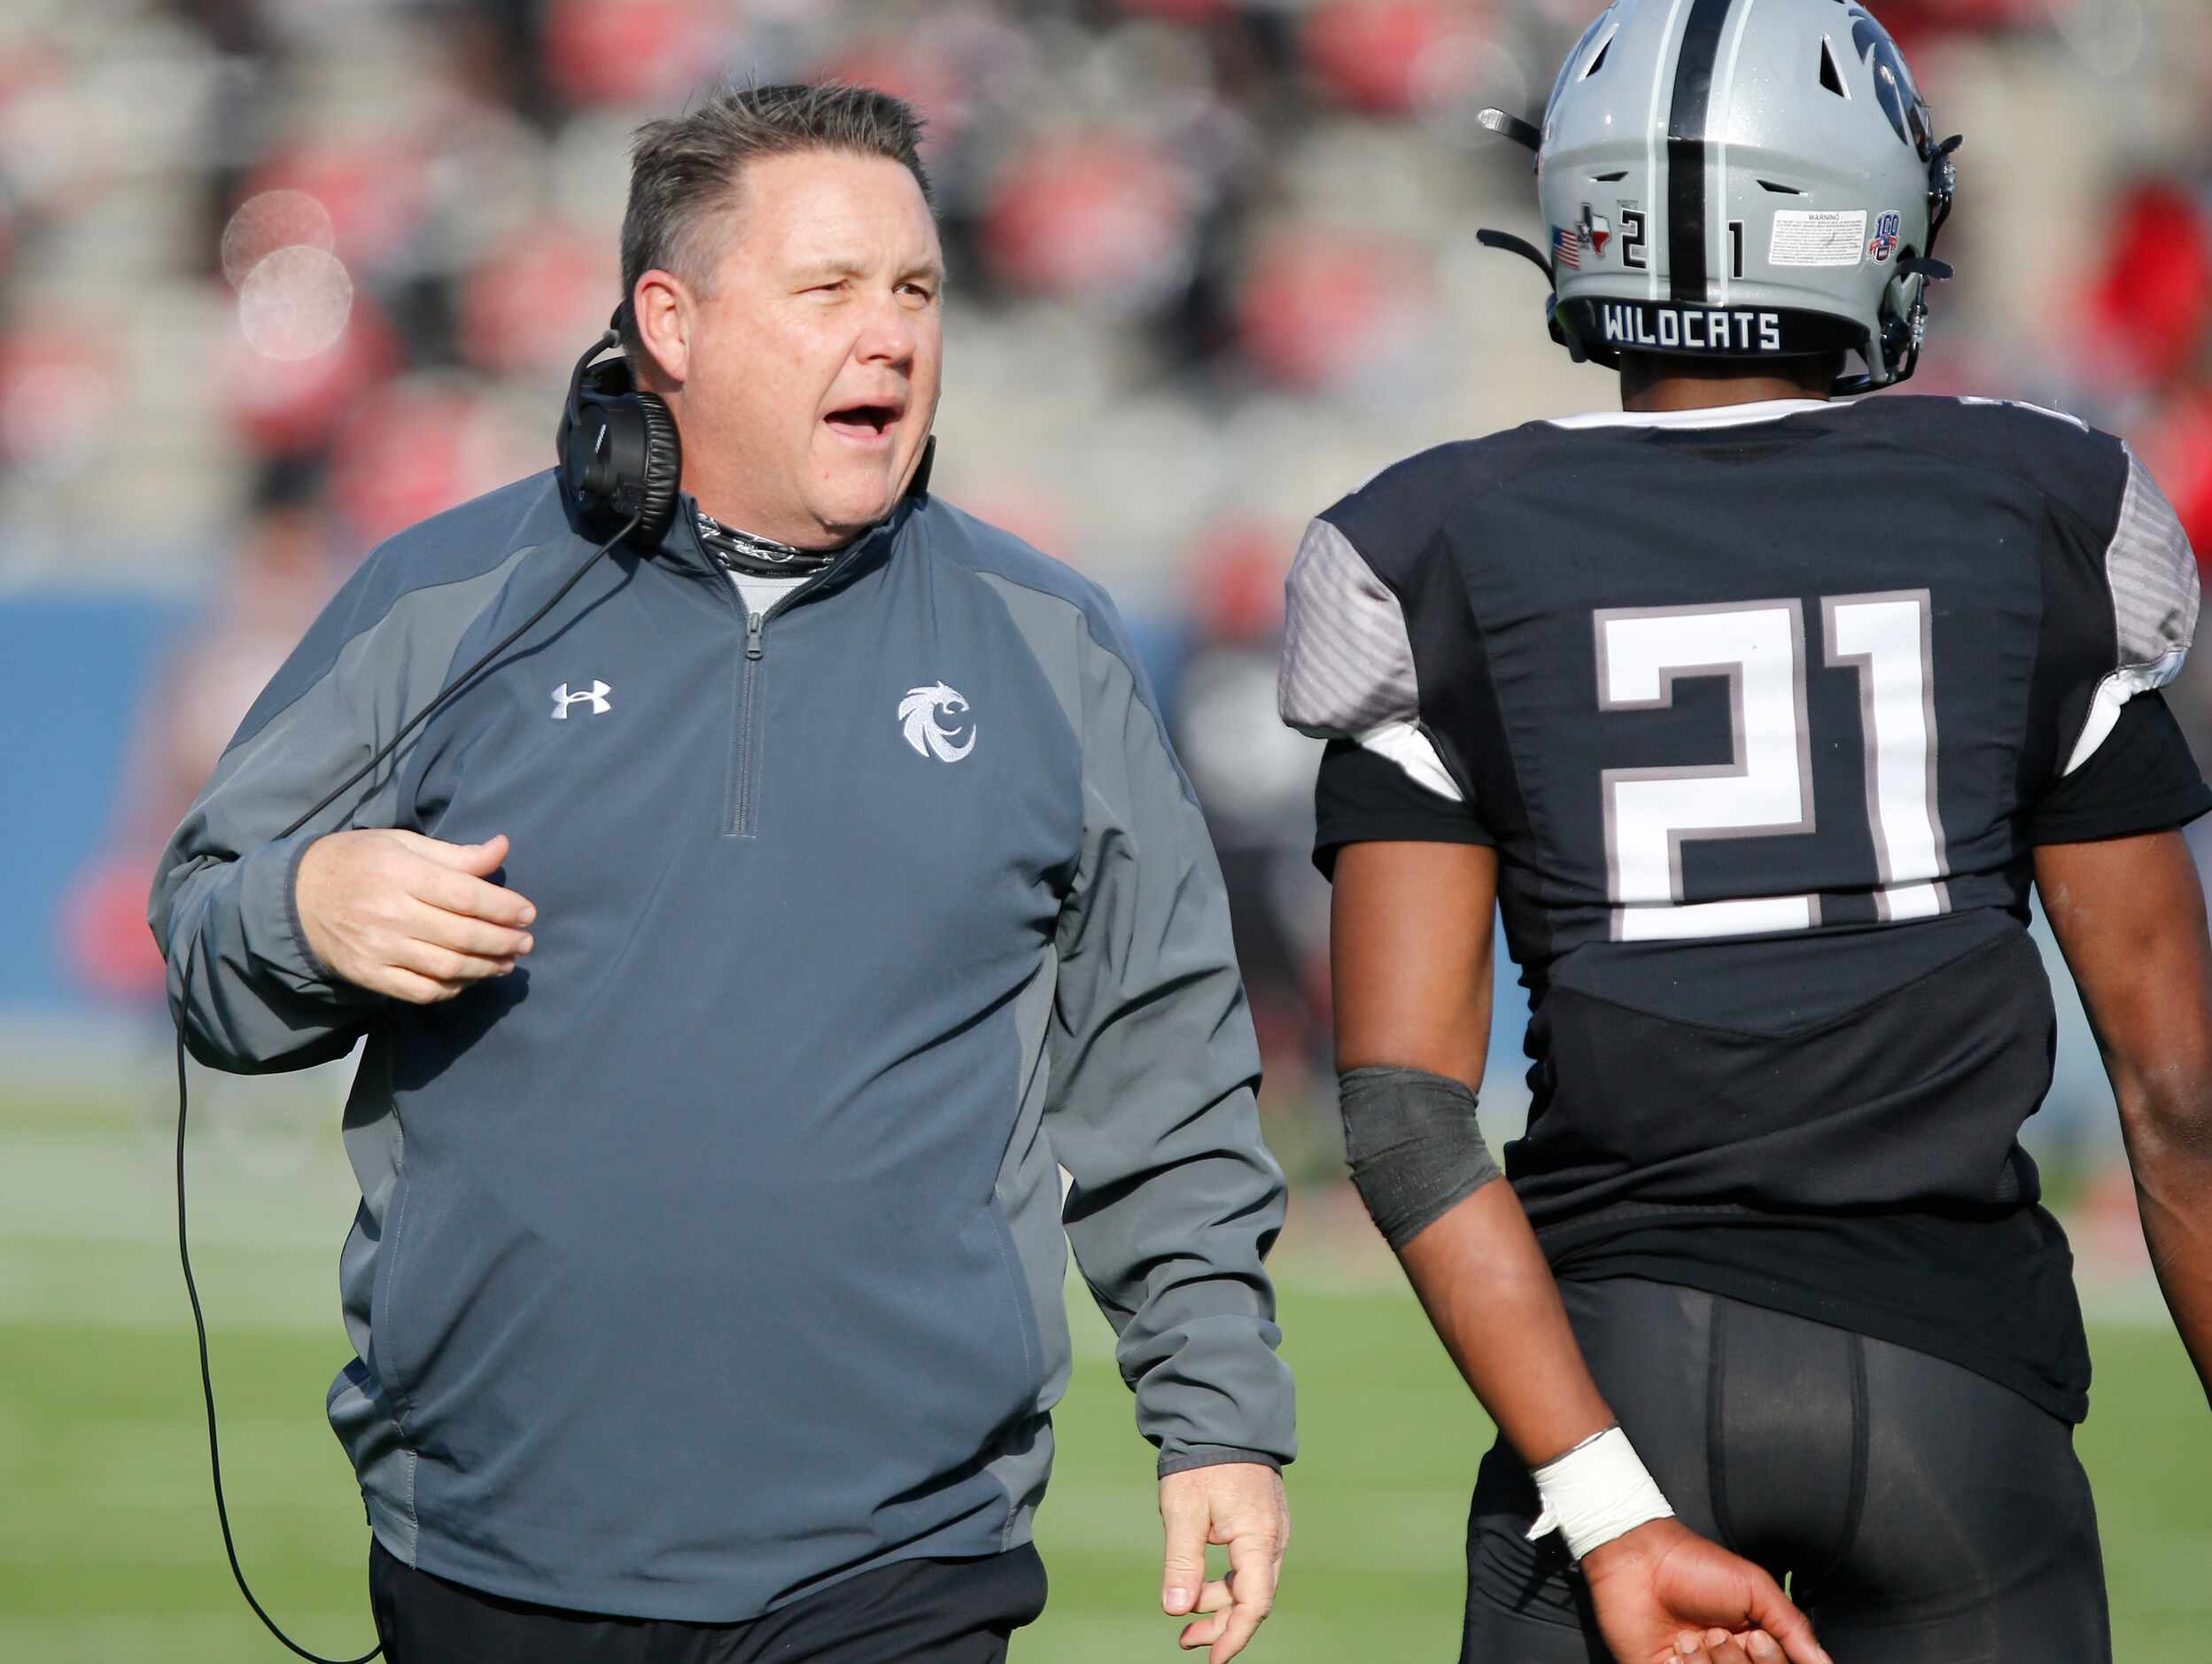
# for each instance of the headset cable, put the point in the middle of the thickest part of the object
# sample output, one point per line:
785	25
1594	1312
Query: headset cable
184	996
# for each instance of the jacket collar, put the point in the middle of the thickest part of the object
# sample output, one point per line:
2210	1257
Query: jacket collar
681	547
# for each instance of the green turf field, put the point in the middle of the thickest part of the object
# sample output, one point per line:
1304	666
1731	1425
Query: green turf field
109	1554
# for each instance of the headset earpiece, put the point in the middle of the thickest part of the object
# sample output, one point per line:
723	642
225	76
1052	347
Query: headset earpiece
662	470
619	454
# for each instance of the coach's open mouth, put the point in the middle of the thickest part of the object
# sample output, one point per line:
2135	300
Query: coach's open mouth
865	423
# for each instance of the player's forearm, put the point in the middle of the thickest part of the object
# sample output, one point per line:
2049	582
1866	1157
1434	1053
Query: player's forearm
2129	914
1491	1295
2168	1132
1410	948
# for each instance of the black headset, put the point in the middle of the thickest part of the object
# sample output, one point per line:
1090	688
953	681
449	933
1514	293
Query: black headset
620	457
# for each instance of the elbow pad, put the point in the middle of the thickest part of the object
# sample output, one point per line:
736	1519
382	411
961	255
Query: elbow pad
1414	1147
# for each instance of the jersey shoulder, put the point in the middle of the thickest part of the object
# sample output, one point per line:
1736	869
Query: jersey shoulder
1349	663
2121	588
2077	469
2119	538
1396	516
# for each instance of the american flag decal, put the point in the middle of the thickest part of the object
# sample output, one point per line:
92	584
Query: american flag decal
1566	247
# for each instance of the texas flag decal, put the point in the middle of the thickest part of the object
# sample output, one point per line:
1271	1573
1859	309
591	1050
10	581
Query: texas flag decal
1597	232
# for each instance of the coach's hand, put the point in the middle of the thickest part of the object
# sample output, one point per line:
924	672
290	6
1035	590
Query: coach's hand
1241	1504
1663	1593
412	917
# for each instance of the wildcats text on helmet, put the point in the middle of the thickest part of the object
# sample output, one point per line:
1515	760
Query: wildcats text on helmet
1689	328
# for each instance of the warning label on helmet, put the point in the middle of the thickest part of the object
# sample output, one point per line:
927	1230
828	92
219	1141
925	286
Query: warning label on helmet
1826	238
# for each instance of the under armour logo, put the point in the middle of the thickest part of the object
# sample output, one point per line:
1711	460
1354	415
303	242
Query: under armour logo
917	717
563	699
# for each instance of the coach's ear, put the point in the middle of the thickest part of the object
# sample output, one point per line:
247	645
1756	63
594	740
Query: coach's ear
665	308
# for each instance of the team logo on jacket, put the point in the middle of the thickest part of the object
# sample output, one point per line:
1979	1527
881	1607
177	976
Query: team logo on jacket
595	696
923	717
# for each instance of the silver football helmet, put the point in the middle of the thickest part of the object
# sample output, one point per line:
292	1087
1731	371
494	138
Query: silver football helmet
1739	179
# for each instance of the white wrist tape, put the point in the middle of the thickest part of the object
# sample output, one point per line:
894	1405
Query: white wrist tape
1595	1492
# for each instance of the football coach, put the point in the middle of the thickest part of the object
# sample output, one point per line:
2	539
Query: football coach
739	957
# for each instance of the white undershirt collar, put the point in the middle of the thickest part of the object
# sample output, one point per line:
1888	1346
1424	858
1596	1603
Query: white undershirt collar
1727	416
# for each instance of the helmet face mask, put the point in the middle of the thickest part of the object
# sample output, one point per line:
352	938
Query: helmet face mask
1744	179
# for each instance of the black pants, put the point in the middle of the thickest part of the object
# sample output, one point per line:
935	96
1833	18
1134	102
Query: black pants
913	1611
1922	1514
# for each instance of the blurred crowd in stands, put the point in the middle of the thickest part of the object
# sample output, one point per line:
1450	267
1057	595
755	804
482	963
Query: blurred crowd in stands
280	276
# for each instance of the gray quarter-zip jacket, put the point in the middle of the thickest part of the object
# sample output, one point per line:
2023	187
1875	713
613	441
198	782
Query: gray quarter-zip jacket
716	1253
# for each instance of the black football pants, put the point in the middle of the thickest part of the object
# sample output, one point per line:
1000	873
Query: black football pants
1922	1514
911	1612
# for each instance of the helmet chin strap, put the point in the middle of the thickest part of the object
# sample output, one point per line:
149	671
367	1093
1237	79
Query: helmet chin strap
1903	336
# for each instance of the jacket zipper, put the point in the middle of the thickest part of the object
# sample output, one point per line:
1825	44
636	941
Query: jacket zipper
743	818
745	782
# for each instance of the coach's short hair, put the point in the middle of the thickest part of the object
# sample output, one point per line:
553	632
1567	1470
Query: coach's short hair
687	172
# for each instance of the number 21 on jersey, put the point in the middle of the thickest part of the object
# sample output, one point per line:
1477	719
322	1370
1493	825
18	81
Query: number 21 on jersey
1765	788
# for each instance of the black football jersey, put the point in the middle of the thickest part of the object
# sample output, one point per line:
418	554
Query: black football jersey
1766	710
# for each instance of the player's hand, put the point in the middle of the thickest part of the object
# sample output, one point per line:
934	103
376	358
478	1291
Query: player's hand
412	917
1241	1504
1664	1594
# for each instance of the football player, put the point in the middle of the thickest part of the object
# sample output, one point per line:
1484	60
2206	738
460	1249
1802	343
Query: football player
1757	706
